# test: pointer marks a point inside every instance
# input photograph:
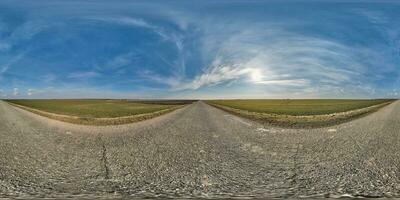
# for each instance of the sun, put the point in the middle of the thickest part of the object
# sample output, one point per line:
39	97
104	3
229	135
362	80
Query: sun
256	75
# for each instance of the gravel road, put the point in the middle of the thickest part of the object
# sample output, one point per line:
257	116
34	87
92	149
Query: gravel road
198	151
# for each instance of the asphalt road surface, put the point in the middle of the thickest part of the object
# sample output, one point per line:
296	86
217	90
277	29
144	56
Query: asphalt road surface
198	151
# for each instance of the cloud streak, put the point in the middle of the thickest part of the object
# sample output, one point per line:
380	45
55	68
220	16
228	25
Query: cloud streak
167	34
6	66
289	62
84	75
262	49
22	33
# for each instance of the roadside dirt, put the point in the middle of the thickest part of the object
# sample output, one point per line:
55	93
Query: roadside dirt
305	121
99	121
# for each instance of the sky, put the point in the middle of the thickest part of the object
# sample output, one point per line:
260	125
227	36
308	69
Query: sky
199	49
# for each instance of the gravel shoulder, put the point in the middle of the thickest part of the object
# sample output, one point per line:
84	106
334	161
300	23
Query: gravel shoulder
198	151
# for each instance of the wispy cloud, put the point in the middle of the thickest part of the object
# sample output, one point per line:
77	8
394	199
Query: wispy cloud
48	78
22	33
167	34
151	76
260	50
84	75
252	70
121	60
273	56
266	54
7	65
136	22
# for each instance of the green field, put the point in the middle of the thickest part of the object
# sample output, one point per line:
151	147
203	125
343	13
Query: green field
98	108
299	106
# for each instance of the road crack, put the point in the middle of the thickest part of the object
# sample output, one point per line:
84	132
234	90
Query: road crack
104	160
294	178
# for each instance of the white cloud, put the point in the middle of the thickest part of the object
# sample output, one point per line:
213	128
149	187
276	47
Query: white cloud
280	57
223	74
273	57
15	92
133	22
30	92
215	76
265	55
394	93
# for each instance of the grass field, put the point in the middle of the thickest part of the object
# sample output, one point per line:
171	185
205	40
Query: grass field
298	107
99	112
304	113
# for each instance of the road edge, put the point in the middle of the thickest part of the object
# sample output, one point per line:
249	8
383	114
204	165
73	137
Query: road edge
98	121
302	121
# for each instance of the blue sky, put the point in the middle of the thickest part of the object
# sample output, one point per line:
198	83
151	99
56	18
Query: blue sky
199	49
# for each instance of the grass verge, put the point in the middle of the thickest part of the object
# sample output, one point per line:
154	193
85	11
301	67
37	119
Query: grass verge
296	115
96	112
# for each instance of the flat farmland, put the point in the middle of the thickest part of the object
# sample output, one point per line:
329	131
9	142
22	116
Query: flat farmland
98	112
301	112
299	106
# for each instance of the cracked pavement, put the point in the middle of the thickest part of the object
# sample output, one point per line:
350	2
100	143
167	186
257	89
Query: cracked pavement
198	151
